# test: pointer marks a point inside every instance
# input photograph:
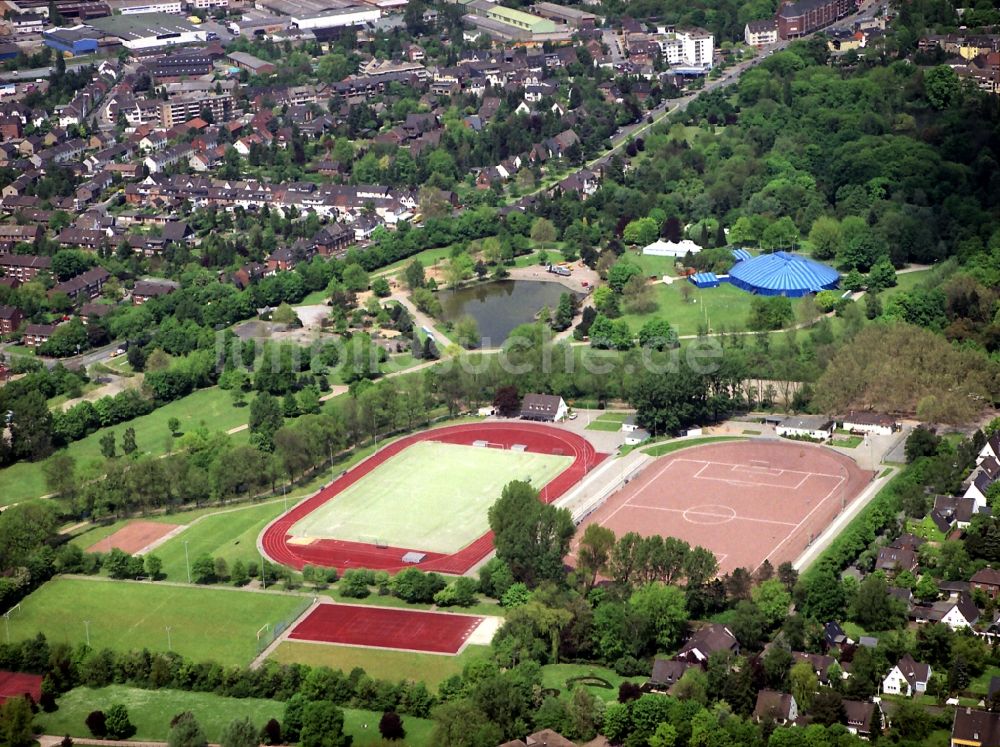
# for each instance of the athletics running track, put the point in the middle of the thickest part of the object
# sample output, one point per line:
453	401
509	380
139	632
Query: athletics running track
344	554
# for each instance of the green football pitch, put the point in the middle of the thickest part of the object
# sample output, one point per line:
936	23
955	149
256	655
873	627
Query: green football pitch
431	496
201	623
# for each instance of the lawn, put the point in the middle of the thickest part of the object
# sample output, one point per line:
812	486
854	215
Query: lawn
907	282
210	407
150	711
205	623
423	497
604	425
399	362
671	446
726	306
925	528
848	442
613	417
431	669
231	535
554	677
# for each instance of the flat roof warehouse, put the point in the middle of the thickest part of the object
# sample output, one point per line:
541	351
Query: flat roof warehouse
150	30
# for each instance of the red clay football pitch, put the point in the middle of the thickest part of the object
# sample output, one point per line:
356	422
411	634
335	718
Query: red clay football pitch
745	501
133	537
383	627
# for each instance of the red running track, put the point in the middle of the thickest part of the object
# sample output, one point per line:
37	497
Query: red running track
383	627
344	554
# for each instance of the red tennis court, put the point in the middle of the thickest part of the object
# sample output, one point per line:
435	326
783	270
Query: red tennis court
18	684
746	501
332	553
383	627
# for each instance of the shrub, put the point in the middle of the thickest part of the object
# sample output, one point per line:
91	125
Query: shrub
97	724
117	722
390	726
270	733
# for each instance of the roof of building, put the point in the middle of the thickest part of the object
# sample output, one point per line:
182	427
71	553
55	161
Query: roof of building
762	24
547	738
914	671
709	639
773	704
859	714
976	727
894	557
807	422
668	671
540	404
867	417
988	576
783	272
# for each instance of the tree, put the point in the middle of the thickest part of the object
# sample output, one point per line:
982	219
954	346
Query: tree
240	733
926	590
270	733
773	601
543	231
563	317
323	726
466	332
803	683
355	278
461	723
657	334
531	537
116	722
594	552
826	237
881	276
96	722
107	442
413	275
129	446
153	566
507	401
185	731
15	723
641	232
390	726
265	419
60	474
828	707
174	426
203	569
662	609
942	86
770	312
30	424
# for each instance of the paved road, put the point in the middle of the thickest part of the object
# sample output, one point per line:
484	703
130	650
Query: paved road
23	76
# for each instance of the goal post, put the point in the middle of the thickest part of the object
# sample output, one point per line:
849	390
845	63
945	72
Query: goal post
263	629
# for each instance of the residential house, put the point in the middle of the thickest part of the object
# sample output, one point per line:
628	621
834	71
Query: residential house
333	240
975	728
10	319
894	560
776	707
37	334
667	673
951	511
24	267
978	488
12	234
545	407
907	677
820	664
834	635
862	718
908	542
761	33
248	274
147	289
85	285
957	612
707	641
986	580
990	449
93	311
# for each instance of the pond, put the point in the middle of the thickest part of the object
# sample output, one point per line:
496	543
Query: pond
499	306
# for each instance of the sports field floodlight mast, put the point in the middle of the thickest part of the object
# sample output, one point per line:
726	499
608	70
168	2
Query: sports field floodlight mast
170	645
187	560
86	625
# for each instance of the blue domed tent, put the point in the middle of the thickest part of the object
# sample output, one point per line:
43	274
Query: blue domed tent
783	274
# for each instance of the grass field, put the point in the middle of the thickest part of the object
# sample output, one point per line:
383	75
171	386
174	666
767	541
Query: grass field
848	442
554	676
667	448
432	669
150	711
209	407
604	425
205	623
726	306
430	496
231	535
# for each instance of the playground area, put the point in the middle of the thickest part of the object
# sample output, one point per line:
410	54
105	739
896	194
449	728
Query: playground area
745	501
431	495
423	499
382	627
